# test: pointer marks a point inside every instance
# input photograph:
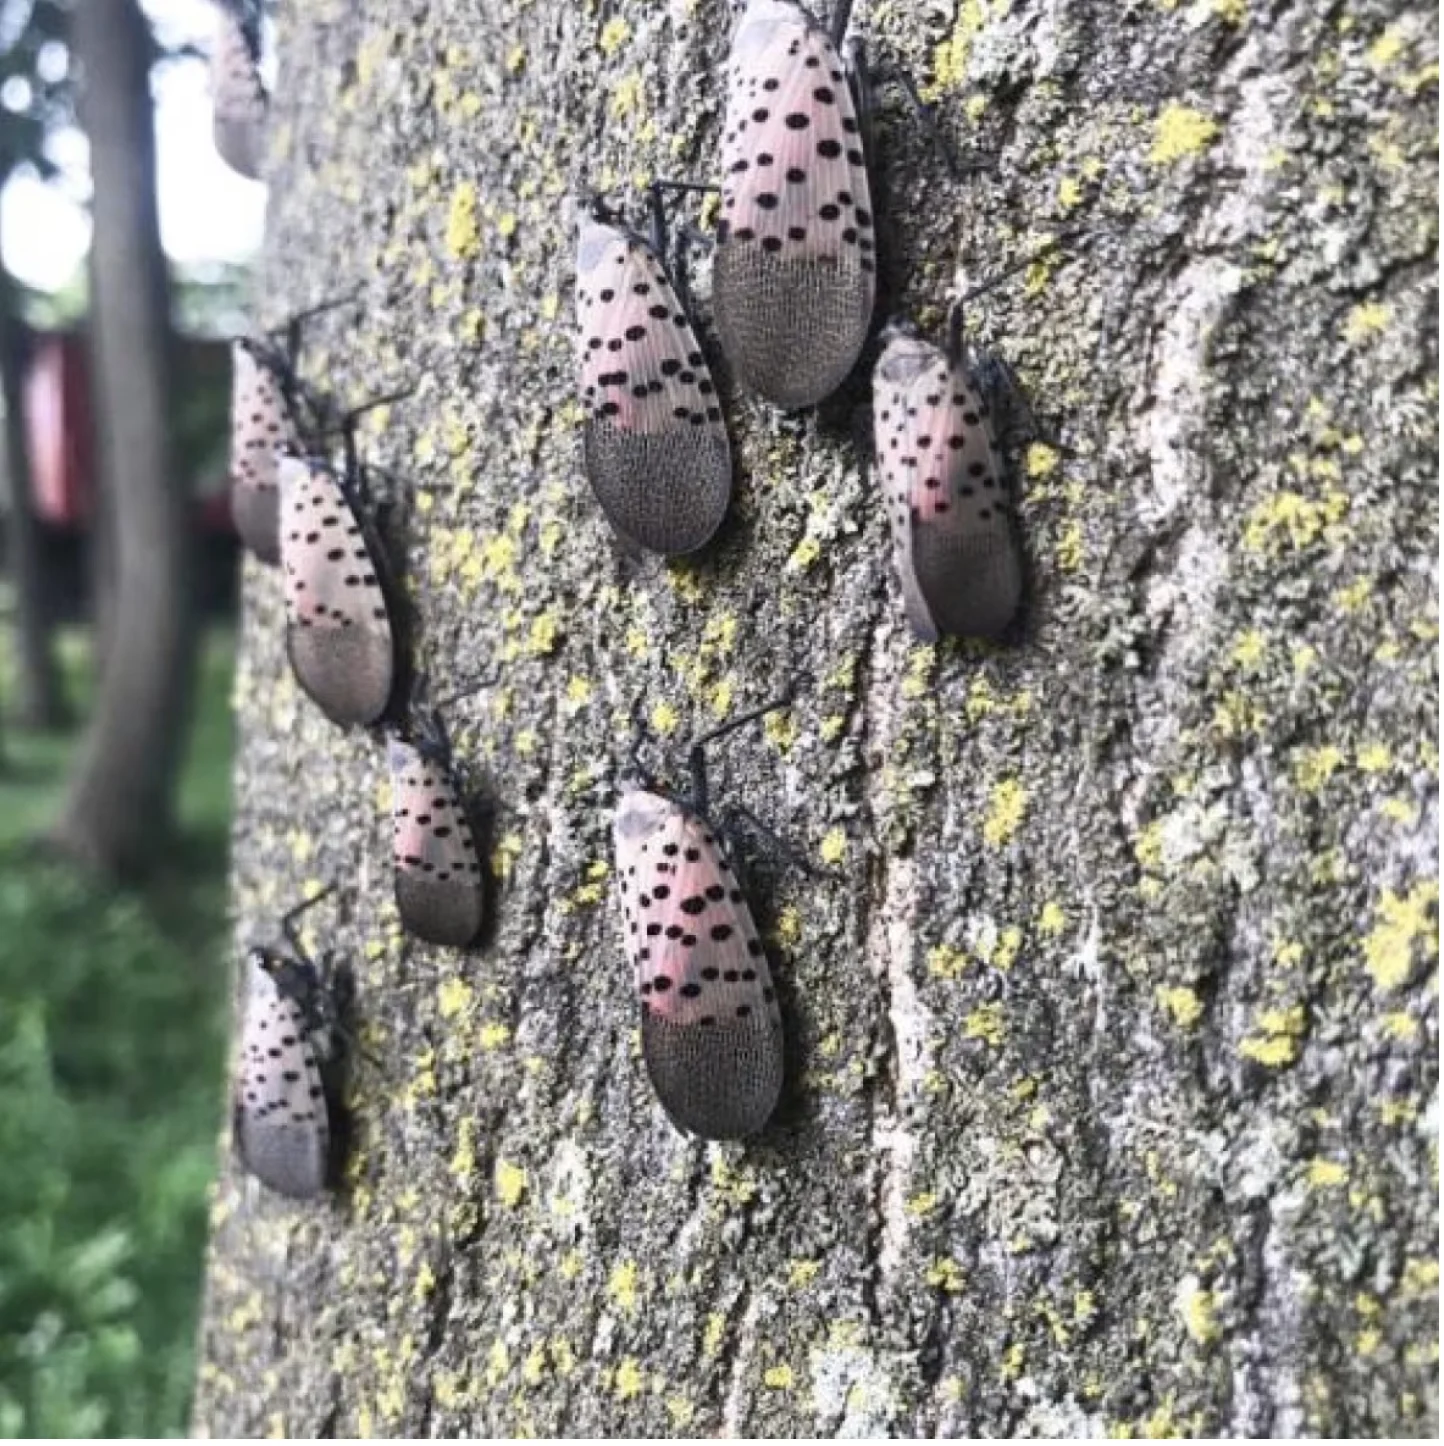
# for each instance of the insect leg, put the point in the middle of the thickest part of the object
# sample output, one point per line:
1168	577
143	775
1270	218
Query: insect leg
696	755
739	812
288	924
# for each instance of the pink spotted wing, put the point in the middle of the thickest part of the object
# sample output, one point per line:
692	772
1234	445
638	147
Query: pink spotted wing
953	530
656	449
260	423
238	97
338	629
794	278
711	1027
438	875
280	1118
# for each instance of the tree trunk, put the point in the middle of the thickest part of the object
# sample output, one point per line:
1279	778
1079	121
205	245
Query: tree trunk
119	811
1112	1048
38	699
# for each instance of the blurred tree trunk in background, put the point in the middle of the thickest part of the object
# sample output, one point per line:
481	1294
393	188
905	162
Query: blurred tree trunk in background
119	811
1112	1054
37	700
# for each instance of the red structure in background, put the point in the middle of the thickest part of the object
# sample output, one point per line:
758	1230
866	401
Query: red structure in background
59	429
60	425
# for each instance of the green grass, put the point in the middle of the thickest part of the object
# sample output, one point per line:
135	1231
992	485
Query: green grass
112	1039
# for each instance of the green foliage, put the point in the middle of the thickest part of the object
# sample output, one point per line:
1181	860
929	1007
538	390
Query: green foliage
112	1026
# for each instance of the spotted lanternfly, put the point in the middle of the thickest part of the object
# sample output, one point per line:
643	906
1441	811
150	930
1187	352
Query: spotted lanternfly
656	449
260	423
338	628
794	278
711	1026
238	97
280	1115
947	497
438	878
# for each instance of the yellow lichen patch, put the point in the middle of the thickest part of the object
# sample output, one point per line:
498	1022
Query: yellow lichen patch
1014	1359
1291	520
1288	953
981	700
1405	924
946	1274
1069	551
1366	320
463	234
950	58
778	1378
1196	1306
542	635
801	1273
1421	1276
453	997
615	34
665	719
1400	810
1275	1040
1052	921
1040	461
713	1333
1231	12
1387	48
1180	131
781	730
945	962
804	555
506	853
463	1160
1400	1025
834	846
627	1381
493	1034
736	1185
627	96
986	1022
511	1183
789	926
1326	1174
1374	758
917	680
1006	807
922	1204
1249	650
563	1354
1184	1006
1070	193
622	1287
1313	767
1004	953
1350	599
534	1367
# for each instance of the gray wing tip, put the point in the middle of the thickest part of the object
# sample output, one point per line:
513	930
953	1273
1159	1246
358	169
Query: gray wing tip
720	1081
449	913
291	1161
666	493
347	672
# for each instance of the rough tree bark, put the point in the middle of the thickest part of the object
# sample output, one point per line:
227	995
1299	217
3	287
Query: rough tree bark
118	813
1112	1051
